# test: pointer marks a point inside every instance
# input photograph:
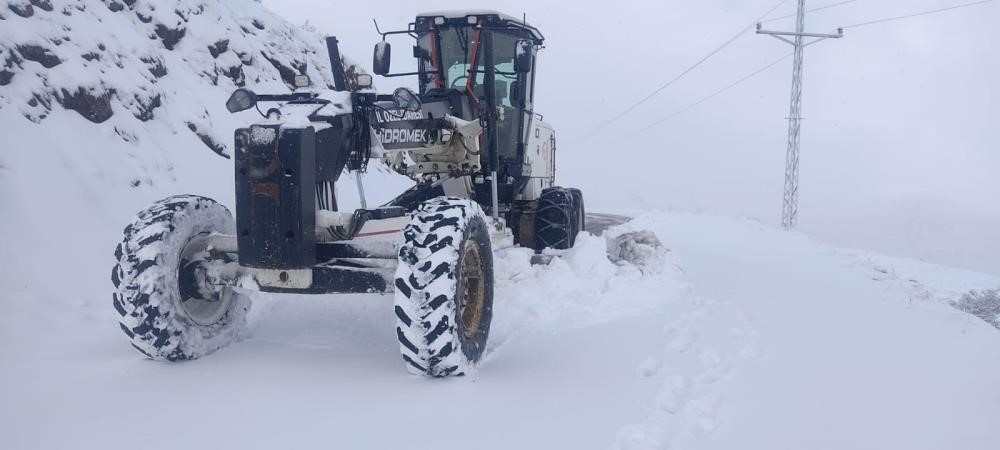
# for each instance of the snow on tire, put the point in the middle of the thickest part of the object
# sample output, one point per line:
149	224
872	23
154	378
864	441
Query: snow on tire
444	287
162	322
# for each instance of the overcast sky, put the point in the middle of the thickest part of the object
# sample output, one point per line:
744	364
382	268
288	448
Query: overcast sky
900	146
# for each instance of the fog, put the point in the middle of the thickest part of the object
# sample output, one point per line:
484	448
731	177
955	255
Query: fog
899	146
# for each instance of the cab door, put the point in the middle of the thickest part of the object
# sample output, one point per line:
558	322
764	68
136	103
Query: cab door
513	93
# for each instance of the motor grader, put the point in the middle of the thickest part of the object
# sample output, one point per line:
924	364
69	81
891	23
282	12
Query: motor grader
483	164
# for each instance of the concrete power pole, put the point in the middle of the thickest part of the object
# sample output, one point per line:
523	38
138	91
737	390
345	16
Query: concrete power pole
790	207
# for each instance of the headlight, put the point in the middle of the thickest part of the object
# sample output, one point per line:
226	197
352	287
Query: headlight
363	80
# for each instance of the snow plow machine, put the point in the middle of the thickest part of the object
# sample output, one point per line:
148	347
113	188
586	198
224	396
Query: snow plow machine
483	164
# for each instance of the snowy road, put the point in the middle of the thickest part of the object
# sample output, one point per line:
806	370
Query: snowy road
796	344
596	223
748	337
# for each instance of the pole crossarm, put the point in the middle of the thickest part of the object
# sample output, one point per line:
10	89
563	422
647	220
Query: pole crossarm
840	34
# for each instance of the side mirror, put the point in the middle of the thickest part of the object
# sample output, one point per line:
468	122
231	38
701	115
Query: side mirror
522	56
406	100
241	100
380	61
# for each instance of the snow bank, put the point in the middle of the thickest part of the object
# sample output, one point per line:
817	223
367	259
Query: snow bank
580	287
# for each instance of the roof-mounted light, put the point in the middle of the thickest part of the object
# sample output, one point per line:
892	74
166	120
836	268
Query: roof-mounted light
439	21
472	20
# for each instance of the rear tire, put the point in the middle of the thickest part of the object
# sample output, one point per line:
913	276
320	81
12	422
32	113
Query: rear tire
444	288
557	220
162	319
580	211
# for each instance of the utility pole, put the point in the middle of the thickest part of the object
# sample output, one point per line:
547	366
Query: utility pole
790	207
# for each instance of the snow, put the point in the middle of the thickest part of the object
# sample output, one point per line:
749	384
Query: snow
458	14
822	352
749	337
262	135
733	335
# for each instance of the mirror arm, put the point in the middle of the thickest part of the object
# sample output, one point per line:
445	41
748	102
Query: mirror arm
401	74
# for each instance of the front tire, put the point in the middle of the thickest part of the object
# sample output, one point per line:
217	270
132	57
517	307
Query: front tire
167	308
444	288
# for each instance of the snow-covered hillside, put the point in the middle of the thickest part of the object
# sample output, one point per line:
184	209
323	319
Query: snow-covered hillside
742	336
106	106
136	62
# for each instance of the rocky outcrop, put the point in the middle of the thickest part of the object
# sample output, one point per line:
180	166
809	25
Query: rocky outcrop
136	62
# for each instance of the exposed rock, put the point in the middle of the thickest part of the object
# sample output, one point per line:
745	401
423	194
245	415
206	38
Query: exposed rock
170	36
146	107
125	135
218	48
12	60
93	107
39	55
155	66
245	57
38	108
258	24
208	141
91	56
45	5
23	10
287	73
44	101
7	72
212	76
236	74
115	6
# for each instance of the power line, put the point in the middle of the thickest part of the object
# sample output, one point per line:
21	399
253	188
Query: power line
819	8
635	105
924	13
715	94
775	62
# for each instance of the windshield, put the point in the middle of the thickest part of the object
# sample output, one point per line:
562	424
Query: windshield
455	54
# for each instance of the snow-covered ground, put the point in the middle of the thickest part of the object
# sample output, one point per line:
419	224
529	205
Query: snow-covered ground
743	336
746	337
